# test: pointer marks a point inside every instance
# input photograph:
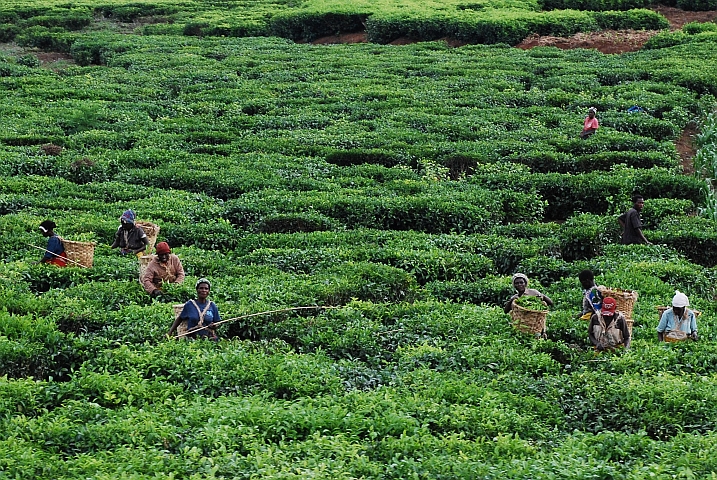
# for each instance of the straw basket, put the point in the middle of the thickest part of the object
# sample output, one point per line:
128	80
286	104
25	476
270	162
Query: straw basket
624	299
182	328
528	321
81	252
151	230
661	310
629	322
144	260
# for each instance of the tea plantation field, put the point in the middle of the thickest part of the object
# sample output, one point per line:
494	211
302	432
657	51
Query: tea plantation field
396	189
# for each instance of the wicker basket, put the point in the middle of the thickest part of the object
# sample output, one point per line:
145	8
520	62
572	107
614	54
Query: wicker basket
151	230
528	321
629	322
81	252
660	311
624	300
144	261
182	327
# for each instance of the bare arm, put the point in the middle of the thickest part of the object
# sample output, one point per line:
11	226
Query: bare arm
509	305
642	236
546	299
177	322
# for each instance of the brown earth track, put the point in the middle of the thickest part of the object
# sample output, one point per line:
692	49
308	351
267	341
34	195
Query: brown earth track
607	41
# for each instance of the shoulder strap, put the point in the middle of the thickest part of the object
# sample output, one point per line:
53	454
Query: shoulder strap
601	321
201	312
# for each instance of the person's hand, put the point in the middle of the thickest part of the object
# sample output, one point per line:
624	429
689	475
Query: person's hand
694	336
600	347
156	293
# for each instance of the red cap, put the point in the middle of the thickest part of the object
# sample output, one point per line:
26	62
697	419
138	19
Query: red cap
162	247
608	305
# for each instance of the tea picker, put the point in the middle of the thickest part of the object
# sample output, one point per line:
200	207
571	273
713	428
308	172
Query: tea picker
608	327
592	298
55	251
679	322
130	238
520	283
163	268
184	332
590	124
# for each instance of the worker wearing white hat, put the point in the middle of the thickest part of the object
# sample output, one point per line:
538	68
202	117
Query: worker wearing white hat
677	323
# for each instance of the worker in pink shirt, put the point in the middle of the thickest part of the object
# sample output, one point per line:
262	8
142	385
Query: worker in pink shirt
591	124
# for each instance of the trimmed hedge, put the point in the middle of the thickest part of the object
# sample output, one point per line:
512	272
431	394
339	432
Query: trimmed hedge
591	192
695	237
420	206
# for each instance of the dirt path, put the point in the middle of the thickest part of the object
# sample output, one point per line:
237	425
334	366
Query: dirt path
619	41
686	148
607	41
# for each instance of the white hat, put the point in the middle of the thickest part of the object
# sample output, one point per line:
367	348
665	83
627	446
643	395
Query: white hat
680	300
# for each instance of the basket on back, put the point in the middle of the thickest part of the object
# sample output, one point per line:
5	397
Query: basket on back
81	254
528	321
182	327
629	322
624	300
151	230
661	310
144	261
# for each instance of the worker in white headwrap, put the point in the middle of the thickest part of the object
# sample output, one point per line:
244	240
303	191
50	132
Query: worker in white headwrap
677	323
520	283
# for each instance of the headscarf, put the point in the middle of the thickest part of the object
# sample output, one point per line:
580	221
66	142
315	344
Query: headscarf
128	216
519	275
203	280
47	225
162	247
680	300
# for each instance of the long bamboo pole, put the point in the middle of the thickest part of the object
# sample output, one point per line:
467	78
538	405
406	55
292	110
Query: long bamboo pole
189	332
53	253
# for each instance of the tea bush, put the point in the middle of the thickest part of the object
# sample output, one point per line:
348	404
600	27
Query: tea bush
359	210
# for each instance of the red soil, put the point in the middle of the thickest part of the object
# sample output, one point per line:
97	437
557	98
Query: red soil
608	41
